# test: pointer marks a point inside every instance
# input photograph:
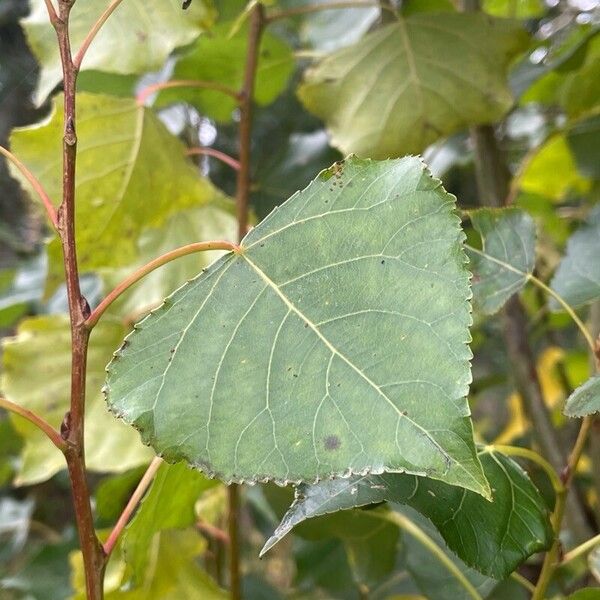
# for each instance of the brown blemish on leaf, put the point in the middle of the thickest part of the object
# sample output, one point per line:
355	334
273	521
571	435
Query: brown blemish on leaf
332	442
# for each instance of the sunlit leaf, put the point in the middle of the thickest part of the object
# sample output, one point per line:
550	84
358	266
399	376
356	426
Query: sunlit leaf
493	538
323	310
585	400
137	38
577	278
507	255
36	375
169	504
221	58
409	83
131	174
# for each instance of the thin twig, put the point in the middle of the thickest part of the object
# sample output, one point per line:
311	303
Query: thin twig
135	499
35	184
205	151
151	266
144	93
51	11
311	8
581	549
89	38
40	423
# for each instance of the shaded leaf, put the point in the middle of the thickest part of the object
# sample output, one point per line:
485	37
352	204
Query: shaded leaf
507	256
323	309
137	38
221	58
169	504
585	400
584	140
36	375
577	278
131	174
409	83
493	538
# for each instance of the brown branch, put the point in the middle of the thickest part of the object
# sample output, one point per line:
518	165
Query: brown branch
40	423
72	430
151	266
135	499
205	151
51	11
144	93
35	184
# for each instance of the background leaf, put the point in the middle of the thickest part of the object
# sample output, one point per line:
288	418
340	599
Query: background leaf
407	84
137	38
585	400
330	329
507	255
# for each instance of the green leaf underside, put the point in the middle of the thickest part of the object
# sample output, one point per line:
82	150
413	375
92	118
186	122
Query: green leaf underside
135	39
221	58
585	400
507	257
404	86
131	174
36	373
493	538
577	278
295	359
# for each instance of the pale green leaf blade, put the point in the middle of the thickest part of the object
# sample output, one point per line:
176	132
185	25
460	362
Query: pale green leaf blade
577	278
131	174
585	400
507	256
169	504
221	58
36	375
293	360
404	86
493	538
138	37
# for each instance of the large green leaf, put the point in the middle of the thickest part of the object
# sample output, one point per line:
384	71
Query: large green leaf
585	400
137	38
577	278
294	359
221	58
500	268
493	538
36	375
409	83
131	174
169	504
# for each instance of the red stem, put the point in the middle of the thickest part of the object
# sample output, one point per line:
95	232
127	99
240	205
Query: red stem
191	83
72	431
40	423
205	151
35	184
151	266
135	499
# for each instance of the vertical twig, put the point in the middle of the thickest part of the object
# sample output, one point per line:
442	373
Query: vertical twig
257	23
72	431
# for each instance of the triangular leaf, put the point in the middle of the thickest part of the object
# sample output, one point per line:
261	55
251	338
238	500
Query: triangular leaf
137	38
409	83
131	174
294	358
507	256
36	375
493	538
577	278
585	400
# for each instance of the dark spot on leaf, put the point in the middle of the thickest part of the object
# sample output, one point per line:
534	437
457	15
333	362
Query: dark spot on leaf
383	262
332	442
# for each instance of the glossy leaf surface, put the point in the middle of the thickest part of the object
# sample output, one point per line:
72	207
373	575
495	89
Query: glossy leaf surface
493	538
294	359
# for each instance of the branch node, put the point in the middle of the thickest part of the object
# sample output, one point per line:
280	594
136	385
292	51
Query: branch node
65	426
